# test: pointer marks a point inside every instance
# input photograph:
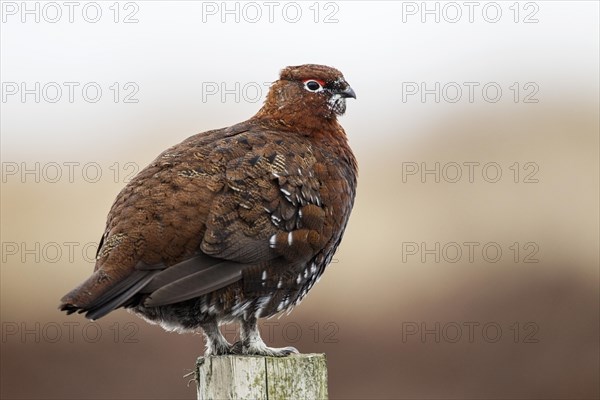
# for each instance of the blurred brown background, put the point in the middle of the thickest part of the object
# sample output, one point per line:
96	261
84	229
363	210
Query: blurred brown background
397	316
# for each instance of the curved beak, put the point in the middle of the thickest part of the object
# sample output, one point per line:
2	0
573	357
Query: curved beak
348	92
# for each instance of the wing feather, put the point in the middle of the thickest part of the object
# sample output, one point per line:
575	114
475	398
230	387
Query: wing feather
196	284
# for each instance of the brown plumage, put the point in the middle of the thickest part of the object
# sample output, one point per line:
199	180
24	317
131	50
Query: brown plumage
232	224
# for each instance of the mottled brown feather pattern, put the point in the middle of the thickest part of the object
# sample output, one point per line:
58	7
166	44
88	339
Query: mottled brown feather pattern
235	223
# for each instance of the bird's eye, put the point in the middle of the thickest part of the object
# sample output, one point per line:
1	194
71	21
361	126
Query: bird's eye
313	85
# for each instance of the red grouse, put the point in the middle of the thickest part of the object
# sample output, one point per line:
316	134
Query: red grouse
232	224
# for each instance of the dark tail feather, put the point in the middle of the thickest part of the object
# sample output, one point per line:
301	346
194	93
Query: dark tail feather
159	285
110	303
78	300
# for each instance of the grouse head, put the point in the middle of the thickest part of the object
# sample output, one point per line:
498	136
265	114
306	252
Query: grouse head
306	96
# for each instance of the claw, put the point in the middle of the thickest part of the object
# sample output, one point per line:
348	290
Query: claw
247	350
284	351
252	345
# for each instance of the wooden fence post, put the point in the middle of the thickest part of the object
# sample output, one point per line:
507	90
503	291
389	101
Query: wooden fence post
301	376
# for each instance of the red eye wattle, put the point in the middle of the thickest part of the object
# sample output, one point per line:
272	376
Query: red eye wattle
320	82
314	85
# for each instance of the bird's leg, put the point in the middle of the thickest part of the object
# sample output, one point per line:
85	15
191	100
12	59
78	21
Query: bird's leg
216	344
252	344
